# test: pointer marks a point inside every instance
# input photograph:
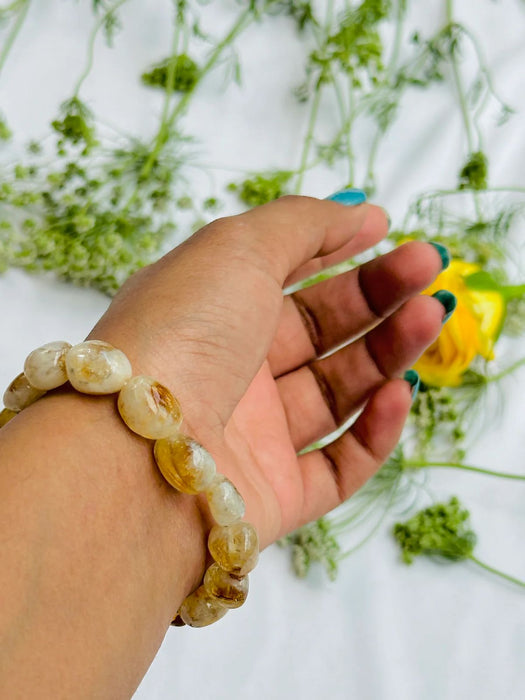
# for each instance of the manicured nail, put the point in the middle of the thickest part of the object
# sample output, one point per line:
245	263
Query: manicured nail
443	254
350	197
449	302
412	377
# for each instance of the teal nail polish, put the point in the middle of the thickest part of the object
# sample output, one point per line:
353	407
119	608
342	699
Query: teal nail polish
350	197
443	254
448	301
412	377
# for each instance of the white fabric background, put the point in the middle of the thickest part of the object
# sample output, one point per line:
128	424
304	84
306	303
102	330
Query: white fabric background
382	631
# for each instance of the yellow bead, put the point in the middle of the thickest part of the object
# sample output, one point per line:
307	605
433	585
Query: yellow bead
45	367
225	502
96	367
5	416
149	408
228	589
235	547
200	610
185	464
20	394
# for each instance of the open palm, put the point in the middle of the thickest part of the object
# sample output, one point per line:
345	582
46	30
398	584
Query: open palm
250	366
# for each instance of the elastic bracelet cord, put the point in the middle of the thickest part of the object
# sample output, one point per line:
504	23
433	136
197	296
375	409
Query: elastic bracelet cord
149	409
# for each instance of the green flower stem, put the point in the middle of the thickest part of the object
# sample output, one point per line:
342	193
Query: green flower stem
441	194
350	122
314	110
506	372
15	29
346	124
459	87
372	155
391	73
496	572
465	467
460	91
447	193
91	46
162	134
354	518
244	20
396	47
491	91
376	527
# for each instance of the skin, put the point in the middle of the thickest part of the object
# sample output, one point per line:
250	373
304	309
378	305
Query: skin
98	551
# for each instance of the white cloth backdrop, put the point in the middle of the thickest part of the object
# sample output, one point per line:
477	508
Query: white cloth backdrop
382	631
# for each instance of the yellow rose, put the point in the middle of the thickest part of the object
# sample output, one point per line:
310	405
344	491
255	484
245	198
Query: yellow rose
472	329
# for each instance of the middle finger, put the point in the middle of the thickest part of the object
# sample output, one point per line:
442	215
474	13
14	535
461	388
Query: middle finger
320	396
316	320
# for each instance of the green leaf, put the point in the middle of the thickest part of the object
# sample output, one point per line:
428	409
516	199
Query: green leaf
483	281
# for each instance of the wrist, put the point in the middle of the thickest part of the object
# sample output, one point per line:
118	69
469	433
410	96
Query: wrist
111	480
150	411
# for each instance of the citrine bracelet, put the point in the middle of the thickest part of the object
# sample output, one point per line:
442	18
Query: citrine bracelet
150	410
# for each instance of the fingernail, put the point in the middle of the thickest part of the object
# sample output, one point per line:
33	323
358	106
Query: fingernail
443	254
350	197
449	302
412	377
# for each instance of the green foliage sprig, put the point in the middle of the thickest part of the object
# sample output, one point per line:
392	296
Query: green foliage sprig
185	72
262	187
442	530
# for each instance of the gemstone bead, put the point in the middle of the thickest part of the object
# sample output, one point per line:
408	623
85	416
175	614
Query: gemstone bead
234	547
228	589
184	463
225	502
45	367
5	416
149	408
20	394
96	367
199	609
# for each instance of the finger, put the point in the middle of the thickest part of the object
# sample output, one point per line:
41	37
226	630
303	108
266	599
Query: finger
320	396
332	474
313	321
373	230
287	233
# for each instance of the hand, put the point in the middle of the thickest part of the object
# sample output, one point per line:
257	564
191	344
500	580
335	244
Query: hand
210	321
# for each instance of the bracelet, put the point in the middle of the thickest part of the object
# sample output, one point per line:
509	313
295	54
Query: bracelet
150	410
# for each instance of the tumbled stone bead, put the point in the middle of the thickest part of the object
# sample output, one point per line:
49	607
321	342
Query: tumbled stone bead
5	416
199	609
45	367
20	394
149	408
228	589
235	547
225	502
184	463
96	367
